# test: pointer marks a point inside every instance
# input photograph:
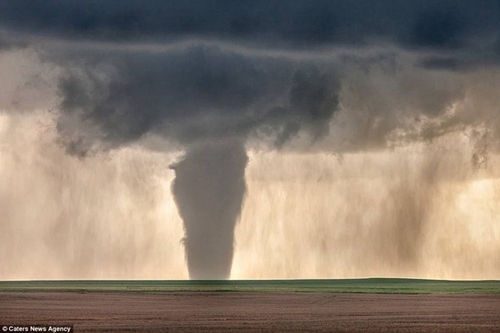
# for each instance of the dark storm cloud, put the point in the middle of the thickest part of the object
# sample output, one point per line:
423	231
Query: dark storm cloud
213	86
299	21
198	93
441	63
423	23
438	29
206	89
9	42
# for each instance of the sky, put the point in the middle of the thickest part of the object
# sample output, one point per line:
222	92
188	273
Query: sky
257	68
144	135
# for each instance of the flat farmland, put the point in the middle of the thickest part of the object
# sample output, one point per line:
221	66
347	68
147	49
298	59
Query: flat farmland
366	305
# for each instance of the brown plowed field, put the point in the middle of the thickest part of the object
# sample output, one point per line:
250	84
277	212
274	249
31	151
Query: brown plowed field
253	312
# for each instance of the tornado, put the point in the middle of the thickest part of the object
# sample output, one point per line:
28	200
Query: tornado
209	190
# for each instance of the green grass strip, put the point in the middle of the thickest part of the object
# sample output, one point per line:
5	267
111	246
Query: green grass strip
371	285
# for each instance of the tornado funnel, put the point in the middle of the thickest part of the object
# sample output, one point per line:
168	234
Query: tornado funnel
209	189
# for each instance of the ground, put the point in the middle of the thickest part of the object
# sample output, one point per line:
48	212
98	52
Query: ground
253	311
